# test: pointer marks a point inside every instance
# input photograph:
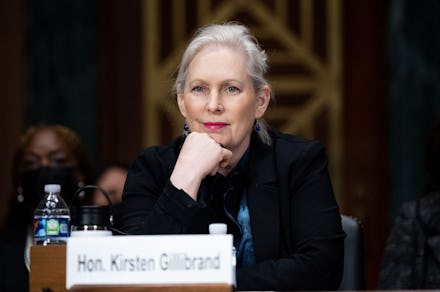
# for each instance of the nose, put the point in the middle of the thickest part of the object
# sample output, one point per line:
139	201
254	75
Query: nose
44	162
214	102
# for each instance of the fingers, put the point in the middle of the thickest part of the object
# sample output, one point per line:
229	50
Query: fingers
214	171
199	157
226	157
224	163
200	154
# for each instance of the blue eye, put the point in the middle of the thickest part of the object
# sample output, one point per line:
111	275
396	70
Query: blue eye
232	89
198	89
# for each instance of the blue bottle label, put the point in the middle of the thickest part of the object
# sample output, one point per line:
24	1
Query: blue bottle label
51	227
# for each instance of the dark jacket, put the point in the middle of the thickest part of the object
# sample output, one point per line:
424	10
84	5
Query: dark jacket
295	221
412	253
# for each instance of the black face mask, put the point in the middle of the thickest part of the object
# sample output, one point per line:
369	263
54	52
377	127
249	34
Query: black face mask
33	181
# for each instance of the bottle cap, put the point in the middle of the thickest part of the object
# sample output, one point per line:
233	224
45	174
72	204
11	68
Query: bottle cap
217	228
52	188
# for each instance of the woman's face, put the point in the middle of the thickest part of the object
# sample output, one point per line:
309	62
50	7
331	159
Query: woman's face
47	159
46	149
112	181
219	98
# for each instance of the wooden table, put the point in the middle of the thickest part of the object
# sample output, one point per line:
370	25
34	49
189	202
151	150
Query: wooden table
48	273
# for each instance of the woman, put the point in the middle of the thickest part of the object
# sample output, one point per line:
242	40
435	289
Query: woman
46	154
111	177
412	253
271	189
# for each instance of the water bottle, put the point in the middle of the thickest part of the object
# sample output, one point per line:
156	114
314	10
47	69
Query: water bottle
222	228
51	218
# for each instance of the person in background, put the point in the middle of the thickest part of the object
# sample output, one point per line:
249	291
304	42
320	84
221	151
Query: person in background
411	257
111	178
271	189
46	154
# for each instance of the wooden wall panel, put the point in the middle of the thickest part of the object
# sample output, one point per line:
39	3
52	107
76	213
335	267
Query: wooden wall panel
119	80
11	90
365	125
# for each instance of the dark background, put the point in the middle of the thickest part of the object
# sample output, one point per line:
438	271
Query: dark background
78	63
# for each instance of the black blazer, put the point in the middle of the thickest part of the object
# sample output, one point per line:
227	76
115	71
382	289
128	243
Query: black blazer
295	220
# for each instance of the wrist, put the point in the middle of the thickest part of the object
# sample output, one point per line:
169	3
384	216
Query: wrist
187	183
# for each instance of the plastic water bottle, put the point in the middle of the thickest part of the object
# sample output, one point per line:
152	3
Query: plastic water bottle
51	218
222	228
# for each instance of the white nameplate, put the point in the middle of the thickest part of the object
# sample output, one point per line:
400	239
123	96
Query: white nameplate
152	259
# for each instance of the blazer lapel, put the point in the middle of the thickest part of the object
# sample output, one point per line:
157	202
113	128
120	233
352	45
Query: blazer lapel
263	201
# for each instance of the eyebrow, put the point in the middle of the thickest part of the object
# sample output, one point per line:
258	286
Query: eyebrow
198	80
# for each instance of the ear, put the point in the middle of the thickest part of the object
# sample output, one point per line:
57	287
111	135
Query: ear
263	99
181	104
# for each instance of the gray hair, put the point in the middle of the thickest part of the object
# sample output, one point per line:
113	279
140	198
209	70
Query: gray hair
237	37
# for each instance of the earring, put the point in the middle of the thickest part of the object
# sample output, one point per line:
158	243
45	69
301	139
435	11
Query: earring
20	197
82	194
257	127
186	130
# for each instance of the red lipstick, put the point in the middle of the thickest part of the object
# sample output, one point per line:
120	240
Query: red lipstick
214	125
